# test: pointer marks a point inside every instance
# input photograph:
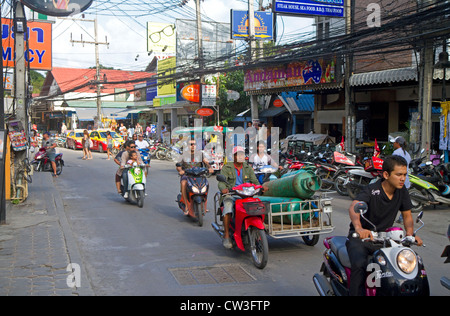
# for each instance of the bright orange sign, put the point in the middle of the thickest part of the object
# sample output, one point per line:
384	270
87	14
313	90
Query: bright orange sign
205	112
191	93
39	44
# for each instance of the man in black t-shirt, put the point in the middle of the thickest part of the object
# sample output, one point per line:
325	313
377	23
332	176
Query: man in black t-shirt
384	198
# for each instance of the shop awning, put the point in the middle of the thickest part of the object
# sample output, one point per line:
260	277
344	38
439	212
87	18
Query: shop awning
384	76
271	112
299	102
88	114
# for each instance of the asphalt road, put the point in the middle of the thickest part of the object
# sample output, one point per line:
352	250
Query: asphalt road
155	250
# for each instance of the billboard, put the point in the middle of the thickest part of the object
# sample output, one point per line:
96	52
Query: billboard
58	7
240	23
295	74
40	44
161	38
166	68
331	8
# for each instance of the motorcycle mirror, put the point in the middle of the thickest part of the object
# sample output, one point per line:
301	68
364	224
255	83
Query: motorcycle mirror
422	151
361	208
221	178
419	217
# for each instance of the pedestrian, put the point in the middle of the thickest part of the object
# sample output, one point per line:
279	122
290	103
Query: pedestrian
86	142
138	129
109	143
400	150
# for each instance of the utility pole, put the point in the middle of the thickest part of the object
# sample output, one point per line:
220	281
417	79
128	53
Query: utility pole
97	64
199	37
252	50
350	136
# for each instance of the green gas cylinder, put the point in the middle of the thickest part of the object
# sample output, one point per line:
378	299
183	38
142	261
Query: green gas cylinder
303	185
284	204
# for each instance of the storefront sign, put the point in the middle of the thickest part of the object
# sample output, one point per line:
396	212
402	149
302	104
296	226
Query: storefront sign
333	8
40	44
191	93
291	75
278	103
209	95
58	7
205	112
263	25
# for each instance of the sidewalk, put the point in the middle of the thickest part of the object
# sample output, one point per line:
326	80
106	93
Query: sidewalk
36	245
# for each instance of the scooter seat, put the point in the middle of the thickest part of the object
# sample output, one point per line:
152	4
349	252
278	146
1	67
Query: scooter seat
340	249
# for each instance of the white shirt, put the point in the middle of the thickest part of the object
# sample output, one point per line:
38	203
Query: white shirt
141	144
405	154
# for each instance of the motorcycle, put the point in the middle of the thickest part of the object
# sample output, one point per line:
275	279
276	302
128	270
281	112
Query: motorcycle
145	155
136	184
197	191
397	269
264	173
42	163
358	178
247	229
446	254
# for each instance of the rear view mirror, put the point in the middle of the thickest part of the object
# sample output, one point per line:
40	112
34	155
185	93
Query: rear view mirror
221	178
361	208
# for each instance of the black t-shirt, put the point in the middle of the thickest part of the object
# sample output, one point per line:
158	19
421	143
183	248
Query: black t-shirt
382	211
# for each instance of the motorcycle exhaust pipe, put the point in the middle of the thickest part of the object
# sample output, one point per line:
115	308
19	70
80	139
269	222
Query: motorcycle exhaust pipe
322	285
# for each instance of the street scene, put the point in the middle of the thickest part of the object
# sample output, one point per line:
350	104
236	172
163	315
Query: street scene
225	150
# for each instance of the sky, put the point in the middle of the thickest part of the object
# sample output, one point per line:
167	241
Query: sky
127	35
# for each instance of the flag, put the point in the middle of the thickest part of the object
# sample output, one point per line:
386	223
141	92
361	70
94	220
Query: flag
376	152
342	144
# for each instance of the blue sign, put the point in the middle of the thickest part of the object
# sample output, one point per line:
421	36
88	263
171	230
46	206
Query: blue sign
152	89
240	23
331	8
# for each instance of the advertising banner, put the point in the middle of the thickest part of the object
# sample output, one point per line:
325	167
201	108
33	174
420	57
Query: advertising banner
166	68
161	38
331	8
240	23
58	7
40	44
291	75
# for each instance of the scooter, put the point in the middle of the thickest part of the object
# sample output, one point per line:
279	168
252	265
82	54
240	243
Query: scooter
136	184
446	254
247	228
394	270
357	179
197	191
264	173
42	163
145	155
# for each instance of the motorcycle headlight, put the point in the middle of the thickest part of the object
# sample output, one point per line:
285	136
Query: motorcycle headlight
406	261
195	190
204	189
248	191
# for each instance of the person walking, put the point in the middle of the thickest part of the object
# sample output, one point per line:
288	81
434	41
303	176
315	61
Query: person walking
109	144
86	142
400	150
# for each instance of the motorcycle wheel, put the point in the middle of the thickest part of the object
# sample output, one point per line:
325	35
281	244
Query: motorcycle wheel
325	175
417	206
198	208
339	186
160	155
140	199
59	167
353	190
259	247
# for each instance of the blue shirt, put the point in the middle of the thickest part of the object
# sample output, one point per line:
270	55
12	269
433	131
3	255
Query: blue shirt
239	176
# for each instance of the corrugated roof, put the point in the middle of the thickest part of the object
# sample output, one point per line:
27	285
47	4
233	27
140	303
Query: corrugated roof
299	102
384	76
70	78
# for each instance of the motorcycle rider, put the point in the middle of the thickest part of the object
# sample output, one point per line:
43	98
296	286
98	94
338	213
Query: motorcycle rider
385	198
124	158
236	173
50	145
183	165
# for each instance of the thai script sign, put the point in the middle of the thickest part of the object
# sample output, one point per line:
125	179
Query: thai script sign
39	38
290	75
240	24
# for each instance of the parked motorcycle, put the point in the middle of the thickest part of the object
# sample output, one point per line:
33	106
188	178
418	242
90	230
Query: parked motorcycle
135	193
197	191
358	178
446	254
247	229
394	270
41	162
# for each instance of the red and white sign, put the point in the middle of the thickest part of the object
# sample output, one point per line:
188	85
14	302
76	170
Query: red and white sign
205	112
278	103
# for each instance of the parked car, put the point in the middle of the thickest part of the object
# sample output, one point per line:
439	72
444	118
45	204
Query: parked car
99	139
74	138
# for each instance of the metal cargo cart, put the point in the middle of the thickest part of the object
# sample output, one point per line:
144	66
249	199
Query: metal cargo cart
307	219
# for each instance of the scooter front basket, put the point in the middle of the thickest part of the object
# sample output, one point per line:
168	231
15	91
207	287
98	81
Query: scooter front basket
256	208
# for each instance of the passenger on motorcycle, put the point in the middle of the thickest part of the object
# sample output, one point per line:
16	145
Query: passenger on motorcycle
184	165
236	173
50	145
385	198
123	161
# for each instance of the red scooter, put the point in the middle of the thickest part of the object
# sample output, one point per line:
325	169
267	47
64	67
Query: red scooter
42	163
247	227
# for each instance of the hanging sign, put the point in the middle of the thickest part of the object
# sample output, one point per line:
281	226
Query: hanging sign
58	7
191	93
39	53
205	112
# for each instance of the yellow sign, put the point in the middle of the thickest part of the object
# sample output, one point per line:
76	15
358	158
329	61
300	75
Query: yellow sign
166	68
